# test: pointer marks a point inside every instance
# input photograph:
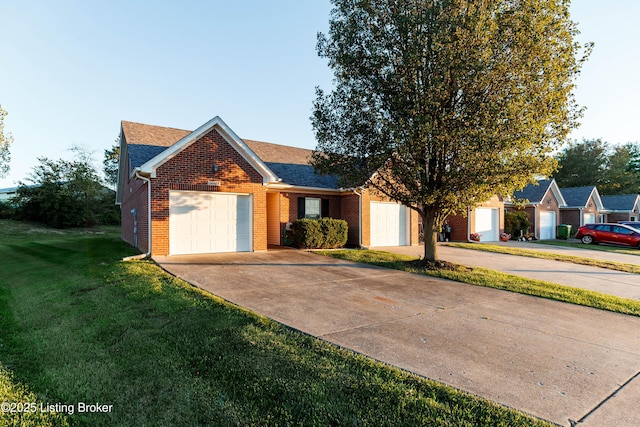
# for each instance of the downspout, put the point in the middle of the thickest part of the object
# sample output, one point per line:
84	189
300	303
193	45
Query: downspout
469	226
148	181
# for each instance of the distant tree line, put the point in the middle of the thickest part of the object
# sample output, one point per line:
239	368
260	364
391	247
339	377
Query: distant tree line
64	194
613	169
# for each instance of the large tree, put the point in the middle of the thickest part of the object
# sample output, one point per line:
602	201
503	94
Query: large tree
613	169
5	142
622	172
582	163
441	104
65	194
110	165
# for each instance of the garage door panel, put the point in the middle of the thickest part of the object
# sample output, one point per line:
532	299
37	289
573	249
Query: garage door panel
487	224
388	224
547	229
209	222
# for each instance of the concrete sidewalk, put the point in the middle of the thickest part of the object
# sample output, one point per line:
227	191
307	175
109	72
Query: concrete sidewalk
625	285
559	362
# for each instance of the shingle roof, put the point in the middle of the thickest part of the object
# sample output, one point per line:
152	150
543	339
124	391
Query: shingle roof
139	133
623	202
577	196
291	164
534	193
302	175
139	153
276	153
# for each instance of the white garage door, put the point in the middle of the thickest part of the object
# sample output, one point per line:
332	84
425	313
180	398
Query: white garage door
547	225
209	222
388	224
588	218
488	224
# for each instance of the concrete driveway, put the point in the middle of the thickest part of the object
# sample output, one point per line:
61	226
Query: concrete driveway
556	361
625	285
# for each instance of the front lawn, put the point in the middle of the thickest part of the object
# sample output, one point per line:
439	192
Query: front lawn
77	325
494	279
611	265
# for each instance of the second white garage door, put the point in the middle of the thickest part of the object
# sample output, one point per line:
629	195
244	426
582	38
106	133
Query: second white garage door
547	227
488	224
209	222
388	224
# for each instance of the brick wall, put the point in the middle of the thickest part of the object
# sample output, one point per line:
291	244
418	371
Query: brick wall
191	169
134	196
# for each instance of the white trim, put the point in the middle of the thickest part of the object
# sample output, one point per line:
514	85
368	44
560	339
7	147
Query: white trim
556	192
299	189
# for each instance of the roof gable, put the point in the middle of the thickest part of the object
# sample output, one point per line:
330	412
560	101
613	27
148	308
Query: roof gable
536	192
150	146
151	165
578	197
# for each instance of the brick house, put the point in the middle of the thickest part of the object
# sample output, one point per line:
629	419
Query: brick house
624	207
583	206
486	219
541	202
208	190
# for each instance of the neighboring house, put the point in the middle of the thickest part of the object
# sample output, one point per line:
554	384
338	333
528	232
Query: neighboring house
584	206
625	207
543	201
206	191
487	220
7	193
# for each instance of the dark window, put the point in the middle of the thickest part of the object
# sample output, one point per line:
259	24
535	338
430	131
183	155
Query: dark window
601	227
313	208
621	230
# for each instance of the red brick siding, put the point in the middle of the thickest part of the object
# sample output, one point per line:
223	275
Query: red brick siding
351	214
134	196
192	169
462	226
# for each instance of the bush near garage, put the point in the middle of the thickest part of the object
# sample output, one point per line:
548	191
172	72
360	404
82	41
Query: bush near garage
325	233
516	223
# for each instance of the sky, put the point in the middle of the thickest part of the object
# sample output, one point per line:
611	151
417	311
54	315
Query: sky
71	70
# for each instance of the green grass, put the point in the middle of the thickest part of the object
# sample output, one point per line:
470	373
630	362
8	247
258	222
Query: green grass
611	265
495	279
580	245
79	325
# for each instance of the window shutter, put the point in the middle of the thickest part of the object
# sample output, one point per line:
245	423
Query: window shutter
325	208
300	207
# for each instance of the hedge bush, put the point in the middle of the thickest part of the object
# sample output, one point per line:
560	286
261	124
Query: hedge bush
325	233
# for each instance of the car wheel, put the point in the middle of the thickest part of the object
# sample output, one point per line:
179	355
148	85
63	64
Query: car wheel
587	240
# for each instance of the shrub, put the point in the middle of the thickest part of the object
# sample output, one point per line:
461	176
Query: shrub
516	223
335	232
325	233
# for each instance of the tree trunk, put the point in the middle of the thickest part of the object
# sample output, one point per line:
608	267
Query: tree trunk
430	236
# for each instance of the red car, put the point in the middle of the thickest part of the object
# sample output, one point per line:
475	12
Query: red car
616	234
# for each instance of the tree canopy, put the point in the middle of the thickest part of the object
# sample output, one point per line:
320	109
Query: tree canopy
441	104
613	169
65	194
110	164
5	142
